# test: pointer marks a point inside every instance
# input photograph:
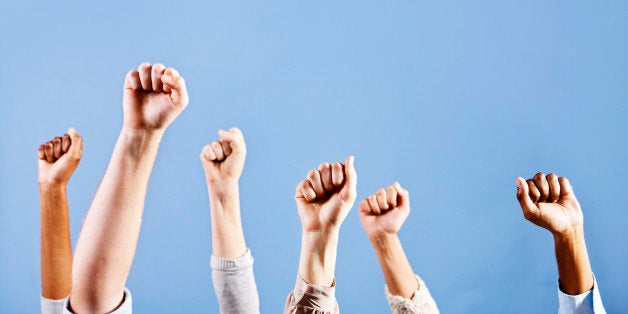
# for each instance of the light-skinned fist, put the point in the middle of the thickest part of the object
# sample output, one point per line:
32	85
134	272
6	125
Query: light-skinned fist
549	202
59	158
384	212
223	160
326	196
153	97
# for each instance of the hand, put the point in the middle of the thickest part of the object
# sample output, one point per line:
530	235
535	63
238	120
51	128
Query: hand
325	198
59	157
153	97
384	213
223	160
549	202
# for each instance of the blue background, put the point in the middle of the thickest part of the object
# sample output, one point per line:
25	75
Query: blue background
452	98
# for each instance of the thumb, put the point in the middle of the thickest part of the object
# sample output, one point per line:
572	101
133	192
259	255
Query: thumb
566	190
348	192
403	198
523	197
76	145
234	138
176	83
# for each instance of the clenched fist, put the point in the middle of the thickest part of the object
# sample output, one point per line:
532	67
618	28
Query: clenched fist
153	97
385	212
59	158
326	196
224	159
549	202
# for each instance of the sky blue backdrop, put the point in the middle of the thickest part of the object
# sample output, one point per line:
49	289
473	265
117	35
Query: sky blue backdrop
452	98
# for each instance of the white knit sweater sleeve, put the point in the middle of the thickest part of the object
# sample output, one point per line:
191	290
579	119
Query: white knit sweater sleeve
421	302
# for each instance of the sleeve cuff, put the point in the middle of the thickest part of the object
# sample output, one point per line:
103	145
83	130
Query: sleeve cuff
587	302
125	308
421	301
51	306
317	297
220	263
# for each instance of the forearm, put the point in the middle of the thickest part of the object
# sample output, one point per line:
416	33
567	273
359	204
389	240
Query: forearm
318	257
398	273
227	234
574	270
56	246
107	243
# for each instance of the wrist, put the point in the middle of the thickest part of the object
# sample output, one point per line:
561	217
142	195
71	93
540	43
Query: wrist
46	186
569	237
329	234
140	133
382	240
318	257
319	242
222	185
136	142
223	192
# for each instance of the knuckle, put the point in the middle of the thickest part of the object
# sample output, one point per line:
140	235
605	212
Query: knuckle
312	174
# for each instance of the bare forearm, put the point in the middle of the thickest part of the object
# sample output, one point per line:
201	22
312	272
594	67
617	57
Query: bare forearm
574	270
56	247
397	271
107	243
227	234
318	257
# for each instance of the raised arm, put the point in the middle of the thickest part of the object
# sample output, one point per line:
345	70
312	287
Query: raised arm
323	201
153	98
382	215
550	203
57	161
232	264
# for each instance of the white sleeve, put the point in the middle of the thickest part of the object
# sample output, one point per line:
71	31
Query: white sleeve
234	284
589	302
420	303
50	306
125	308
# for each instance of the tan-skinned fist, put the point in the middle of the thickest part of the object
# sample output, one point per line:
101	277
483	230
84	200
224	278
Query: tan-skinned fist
326	196
58	158
384	212
153	97
550	203
223	160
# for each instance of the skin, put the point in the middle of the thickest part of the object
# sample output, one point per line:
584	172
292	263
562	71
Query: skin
153	98
323	201
382	215
223	161
550	203
57	160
